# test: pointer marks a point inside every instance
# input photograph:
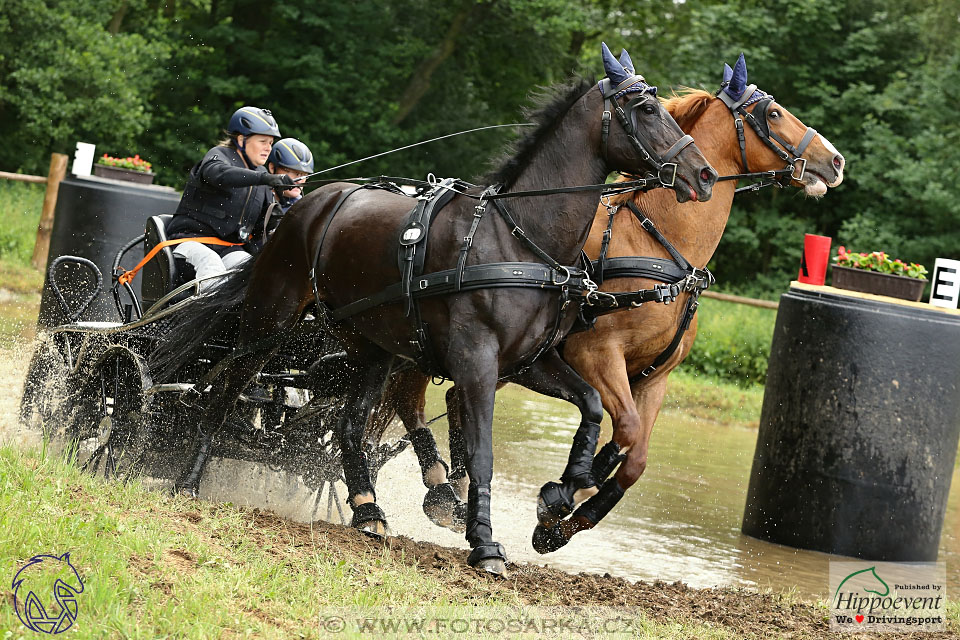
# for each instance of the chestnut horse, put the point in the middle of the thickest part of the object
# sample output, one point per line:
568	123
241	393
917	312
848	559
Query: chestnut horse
617	356
339	246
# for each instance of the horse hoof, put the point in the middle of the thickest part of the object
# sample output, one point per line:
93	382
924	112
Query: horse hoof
553	505
548	539
489	557
375	529
494	566
370	520
444	509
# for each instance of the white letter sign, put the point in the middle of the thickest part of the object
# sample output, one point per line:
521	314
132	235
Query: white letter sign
945	287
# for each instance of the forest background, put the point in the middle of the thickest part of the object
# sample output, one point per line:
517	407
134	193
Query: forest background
159	78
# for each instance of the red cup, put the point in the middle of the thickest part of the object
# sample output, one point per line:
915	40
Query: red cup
813	263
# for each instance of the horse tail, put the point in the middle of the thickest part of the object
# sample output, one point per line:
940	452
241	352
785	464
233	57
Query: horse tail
201	318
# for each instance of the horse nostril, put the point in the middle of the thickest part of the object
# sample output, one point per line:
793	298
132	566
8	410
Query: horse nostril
707	176
837	161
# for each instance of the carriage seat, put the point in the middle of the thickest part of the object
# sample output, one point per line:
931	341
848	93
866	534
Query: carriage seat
165	272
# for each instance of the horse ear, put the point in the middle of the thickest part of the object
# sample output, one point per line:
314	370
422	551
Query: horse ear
626	62
727	73
614	69
738	78
66	557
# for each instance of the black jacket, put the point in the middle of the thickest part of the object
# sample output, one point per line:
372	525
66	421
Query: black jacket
222	198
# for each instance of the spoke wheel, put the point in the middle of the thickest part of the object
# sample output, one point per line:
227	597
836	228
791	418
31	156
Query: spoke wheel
112	419
44	389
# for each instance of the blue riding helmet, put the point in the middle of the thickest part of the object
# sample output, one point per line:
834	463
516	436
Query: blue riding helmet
248	121
291	154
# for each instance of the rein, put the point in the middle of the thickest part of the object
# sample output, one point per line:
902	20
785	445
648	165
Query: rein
573	283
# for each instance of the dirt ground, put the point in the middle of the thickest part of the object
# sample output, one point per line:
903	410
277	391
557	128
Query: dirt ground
744	613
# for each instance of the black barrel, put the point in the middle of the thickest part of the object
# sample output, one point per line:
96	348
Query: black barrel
94	218
859	428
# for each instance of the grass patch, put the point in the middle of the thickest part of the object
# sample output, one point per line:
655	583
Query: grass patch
715	399
155	566
20	206
733	341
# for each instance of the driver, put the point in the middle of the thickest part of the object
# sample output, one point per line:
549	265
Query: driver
226	193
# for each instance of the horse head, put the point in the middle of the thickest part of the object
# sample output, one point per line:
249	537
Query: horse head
650	141
815	162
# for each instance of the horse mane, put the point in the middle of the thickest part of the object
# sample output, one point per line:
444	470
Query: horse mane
548	104
687	105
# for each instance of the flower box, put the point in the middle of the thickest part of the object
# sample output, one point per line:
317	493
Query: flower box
119	173
881	284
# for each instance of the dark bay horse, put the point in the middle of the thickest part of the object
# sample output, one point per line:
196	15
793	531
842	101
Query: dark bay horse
348	238
614	356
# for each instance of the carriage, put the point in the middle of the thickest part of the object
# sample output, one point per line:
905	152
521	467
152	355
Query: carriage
91	390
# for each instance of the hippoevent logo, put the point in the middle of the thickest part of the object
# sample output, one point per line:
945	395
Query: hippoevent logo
45	593
887	596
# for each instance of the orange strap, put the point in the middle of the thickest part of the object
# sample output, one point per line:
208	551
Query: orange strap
127	276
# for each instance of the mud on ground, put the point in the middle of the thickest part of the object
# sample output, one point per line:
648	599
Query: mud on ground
743	613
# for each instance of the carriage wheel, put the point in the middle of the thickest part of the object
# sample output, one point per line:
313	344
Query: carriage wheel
112	417
44	389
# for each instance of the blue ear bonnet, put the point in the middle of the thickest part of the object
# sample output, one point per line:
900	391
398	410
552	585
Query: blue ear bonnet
735	83
619	71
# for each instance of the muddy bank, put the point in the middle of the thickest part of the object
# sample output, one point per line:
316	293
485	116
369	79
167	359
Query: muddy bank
744	613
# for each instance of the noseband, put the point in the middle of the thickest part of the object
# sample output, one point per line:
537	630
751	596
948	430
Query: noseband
784	150
627	116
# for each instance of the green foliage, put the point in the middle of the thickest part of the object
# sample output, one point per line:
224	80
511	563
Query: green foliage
733	342
353	79
20	205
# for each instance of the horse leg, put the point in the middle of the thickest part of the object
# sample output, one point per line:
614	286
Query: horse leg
442	505
476	377
633	423
553	377
223	396
458	448
369	381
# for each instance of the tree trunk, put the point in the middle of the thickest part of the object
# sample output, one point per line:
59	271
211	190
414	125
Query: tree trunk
420	81
117	20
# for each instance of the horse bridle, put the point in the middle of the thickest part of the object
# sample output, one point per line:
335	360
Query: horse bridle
785	151
627	116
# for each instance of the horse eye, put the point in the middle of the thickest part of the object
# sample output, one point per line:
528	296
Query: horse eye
649	110
774	114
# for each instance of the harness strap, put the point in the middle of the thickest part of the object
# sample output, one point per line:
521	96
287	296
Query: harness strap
478	276
692	303
326	227
478	212
647	224
517	232
127	276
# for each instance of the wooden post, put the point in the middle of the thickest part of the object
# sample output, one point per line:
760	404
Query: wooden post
58	170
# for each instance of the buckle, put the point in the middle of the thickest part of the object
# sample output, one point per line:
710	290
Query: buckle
803	169
518	232
673	176
646	372
423	284
188	397
553	277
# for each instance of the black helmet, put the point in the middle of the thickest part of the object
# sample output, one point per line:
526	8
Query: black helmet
291	154
248	121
